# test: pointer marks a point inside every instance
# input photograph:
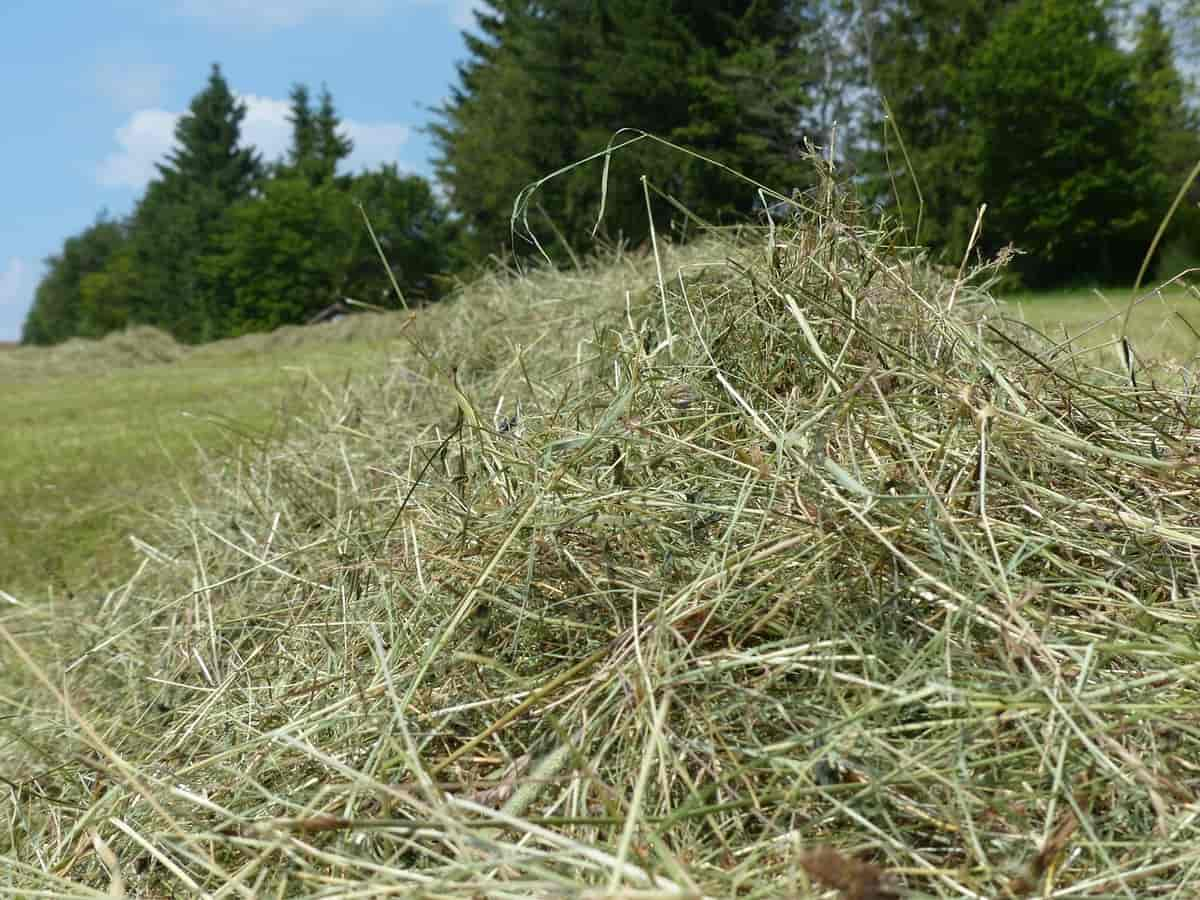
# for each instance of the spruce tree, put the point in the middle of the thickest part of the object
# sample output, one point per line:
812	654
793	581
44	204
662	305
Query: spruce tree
304	140
318	143
921	162
181	214
332	144
498	131
549	83
1174	127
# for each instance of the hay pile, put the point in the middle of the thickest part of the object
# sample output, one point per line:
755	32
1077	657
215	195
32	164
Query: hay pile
136	346
762	567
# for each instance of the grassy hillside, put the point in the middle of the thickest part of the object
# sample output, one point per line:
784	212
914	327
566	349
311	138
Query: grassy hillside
104	436
765	567
100	434
1162	324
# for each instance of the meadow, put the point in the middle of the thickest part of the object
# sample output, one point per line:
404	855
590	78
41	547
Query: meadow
773	565
103	436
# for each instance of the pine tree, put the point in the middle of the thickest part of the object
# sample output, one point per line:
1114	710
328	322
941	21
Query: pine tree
318	143
300	117
208	153
182	211
1174	128
332	145
498	132
549	83
917	53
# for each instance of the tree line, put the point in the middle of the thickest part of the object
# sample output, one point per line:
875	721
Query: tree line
1071	119
221	243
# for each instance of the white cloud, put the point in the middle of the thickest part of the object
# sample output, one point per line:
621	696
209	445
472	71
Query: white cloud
144	140
18	280
16	283
132	85
13	280
277	13
266	125
267	14
374	142
267	128
149	134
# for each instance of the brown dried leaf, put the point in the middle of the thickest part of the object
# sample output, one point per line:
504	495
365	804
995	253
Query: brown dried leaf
857	880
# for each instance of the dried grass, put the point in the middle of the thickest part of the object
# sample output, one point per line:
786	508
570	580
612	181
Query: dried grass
795	568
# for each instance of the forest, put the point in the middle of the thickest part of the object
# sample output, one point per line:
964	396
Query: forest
1074	121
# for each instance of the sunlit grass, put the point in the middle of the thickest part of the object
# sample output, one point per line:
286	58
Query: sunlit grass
84	457
1162	325
769	565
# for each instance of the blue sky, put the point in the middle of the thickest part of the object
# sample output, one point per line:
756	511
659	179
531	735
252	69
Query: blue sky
92	90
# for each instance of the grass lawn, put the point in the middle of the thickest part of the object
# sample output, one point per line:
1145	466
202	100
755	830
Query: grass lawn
688	576
93	442
1163	325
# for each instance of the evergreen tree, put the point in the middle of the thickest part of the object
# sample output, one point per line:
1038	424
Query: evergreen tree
918	54
1061	140
182	213
507	121
549	83
304	139
332	145
731	80
318	144
208	153
1174	132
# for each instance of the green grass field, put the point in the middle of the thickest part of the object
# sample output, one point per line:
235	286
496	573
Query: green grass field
685	577
1163	325
100	436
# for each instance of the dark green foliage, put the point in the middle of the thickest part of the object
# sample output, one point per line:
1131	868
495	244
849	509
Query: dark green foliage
209	153
498	133
57	313
181	216
298	248
918	53
549	83
281	256
1031	107
414	232
304	137
171	229
105	296
1174	136
332	146
1060	142
318	144
215	248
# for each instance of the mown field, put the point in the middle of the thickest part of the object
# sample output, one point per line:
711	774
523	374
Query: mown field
101	436
730	570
